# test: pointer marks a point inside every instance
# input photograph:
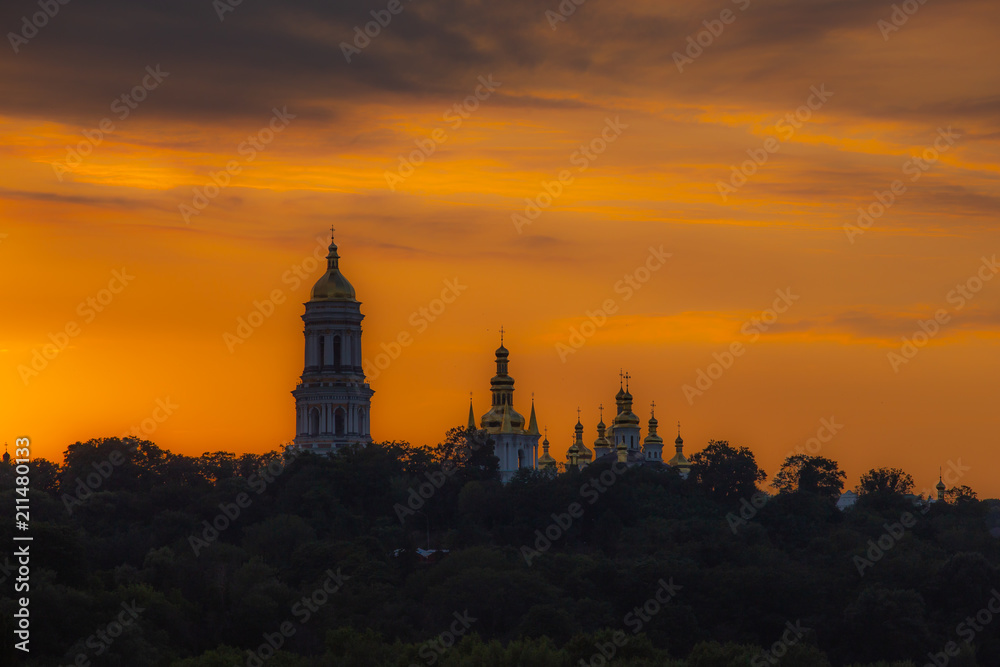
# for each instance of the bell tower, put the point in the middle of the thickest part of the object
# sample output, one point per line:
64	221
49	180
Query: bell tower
332	399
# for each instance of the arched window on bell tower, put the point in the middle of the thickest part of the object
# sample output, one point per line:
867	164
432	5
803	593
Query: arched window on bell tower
339	419
322	352
336	354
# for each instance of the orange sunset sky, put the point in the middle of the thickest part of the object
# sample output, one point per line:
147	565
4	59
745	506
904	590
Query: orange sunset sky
684	126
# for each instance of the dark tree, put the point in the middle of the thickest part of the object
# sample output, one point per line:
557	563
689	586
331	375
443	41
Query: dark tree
725	472
960	494
810	474
470	453
885	480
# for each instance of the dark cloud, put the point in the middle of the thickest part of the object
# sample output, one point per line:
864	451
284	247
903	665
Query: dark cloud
269	53
83	200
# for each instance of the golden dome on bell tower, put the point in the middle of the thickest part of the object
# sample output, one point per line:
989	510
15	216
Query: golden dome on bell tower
332	285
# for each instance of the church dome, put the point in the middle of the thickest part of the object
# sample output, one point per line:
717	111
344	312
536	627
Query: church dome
332	285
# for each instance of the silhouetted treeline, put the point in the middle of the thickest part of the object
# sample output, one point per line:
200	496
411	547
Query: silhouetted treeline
143	557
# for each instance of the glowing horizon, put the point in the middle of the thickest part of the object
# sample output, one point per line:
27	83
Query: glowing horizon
808	150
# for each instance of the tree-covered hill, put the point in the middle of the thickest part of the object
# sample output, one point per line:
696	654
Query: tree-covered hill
143	557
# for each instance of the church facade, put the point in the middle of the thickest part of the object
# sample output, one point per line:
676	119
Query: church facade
515	441
622	442
332	397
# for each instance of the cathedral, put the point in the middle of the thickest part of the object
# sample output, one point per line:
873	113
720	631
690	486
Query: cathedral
332	398
621	442
516	441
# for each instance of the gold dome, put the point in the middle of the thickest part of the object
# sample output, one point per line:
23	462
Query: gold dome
332	285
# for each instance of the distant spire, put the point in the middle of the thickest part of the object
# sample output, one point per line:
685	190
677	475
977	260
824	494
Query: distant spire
533	422
472	415
652	409
501	335
601	408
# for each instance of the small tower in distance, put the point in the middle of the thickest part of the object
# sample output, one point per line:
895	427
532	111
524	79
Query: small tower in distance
626	424
6	455
940	488
602	445
679	461
586	456
652	446
573	456
545	461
